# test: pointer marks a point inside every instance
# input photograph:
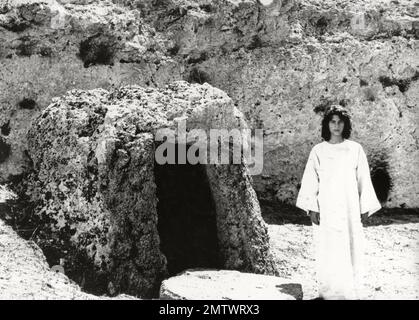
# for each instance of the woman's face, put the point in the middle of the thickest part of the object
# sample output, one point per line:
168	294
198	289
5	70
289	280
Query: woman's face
336	126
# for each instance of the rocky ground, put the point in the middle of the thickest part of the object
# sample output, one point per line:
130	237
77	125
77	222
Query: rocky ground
392	259
392	254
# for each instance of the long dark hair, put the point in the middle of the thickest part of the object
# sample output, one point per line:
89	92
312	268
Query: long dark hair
343	115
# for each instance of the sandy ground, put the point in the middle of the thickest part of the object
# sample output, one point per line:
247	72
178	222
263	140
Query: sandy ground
392	257
392	263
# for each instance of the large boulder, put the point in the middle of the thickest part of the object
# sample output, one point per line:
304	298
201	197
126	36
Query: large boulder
118	220
228	285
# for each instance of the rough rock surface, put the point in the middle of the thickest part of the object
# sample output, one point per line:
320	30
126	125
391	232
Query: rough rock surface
99	205
49	47
24	270
228	285
282	63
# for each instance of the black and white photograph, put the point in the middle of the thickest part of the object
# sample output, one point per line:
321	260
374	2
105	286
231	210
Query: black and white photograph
225	151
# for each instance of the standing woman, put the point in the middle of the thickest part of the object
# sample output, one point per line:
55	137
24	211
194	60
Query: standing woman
337	192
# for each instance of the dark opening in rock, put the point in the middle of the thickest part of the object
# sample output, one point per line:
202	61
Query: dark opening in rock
5	128
363	83
321	25
45	52
26	47
198	76
174	49
27	104
381	179
97	50
16	25
186	217
4	150
403	84
83	272
254	43
207	7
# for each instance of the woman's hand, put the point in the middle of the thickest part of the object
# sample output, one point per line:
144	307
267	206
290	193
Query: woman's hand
315	217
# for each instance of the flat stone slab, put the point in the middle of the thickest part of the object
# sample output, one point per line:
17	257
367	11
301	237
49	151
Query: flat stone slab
201	284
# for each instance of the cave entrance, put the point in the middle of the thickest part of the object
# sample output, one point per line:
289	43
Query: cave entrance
186	217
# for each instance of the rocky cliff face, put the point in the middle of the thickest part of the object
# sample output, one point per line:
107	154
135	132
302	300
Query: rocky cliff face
49	47
282	63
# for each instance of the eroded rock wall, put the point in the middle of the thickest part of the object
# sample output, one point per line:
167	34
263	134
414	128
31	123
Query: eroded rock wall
282	63
49	47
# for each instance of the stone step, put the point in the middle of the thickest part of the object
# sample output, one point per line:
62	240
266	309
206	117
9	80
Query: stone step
204	284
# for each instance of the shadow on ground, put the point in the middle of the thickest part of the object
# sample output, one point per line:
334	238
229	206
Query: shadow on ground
280	213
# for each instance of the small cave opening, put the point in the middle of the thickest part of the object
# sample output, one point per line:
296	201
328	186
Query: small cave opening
381	180
5	149
5	128
27	103
186	217
380	174
321	25
197	76
97	50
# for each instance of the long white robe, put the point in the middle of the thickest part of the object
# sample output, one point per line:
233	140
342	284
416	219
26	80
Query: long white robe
337	183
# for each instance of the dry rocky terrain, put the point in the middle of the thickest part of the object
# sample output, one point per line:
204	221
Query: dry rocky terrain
392	260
